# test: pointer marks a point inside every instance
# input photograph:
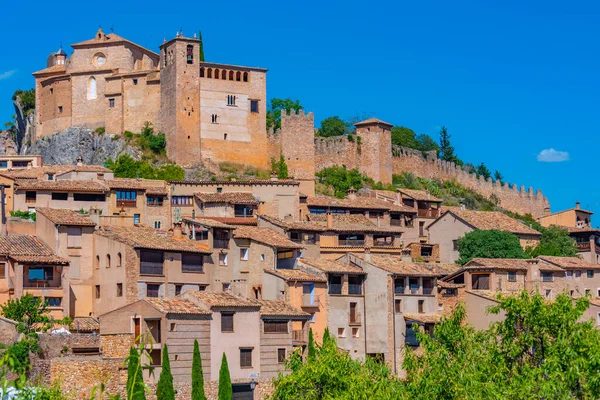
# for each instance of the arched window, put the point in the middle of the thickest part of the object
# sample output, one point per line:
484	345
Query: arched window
97	262
245	77
217	74
92	89
190	54
223	74
230	75
238	76
119	260
209	73
202	72
108	261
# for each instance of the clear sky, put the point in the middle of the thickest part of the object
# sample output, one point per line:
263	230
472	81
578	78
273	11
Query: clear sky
509	79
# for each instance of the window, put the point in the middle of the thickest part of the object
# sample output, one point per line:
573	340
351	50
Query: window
335	284
135	81
40	273
281	356
282	255
53	301
410	337
178	289
217	73
223	259
590	273
214	118
254	106
353	313
51	178
60	109
276	327
355	332
111	103
355	284
421	306
151	262
219	190
569	275
182	200
91	94
192	262
577	274
209	73
238	76
224	136
588	293
244	254
30	197
74	237
88	197
155	357
119	290
154	201
119	260
58	196
202	72
455	245
51	91
226	322
225	286
242	210
413	284
341	332
97	262
152	290
157	224
262	257
440	307
427	286
245	77
136	219
231	100
97	292
190	54
245	358
547	276
126	197
2	270
398	306
480	281
548	294
512	276
399	286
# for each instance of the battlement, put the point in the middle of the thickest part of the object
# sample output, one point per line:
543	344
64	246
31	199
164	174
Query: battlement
298	114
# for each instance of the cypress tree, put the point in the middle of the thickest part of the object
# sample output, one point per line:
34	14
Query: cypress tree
225	389
311	346
131	362
197	375
164	389
201	46
325	336
283	169
135	380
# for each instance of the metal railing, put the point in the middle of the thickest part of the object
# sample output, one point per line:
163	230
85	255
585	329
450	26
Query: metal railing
37	284
582	246
192	268
354	288
351	242
433	213
126	203
151	268
221	243
335	288
378	243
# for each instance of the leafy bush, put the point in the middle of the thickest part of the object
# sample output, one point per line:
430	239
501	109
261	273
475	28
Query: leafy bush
489	244
27	100
126	167
23	215
100	131
342	179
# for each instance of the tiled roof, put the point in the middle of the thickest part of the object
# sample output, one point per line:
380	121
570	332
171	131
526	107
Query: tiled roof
176	306
209	223
234	220
422	195
372	121
486	294
424	318
89	168
85	324
61	185
295	225
265	236
582	230
295	275
250	182
569	262
109	38
505	264
567	210
358	203
63	216
156	191
29	249
278	308
221	299
449	285
52	69
352	223
331	266
37	172
141	237
487	220
396	266
227	197
126	183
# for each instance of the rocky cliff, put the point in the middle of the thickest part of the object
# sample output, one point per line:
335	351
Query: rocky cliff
65	146
24	124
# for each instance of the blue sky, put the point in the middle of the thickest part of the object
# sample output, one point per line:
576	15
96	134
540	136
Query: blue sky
509	79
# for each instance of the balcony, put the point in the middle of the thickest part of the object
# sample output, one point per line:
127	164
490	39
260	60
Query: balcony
41	284
221	243
298	336
335	288
433	213
309	300
352	242
126	203
381	243
354	289
151	268
583	246
395	222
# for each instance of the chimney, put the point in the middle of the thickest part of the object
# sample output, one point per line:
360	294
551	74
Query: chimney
367	257
329	220
462	207
95	214
378	221
352	193
177	232
546	210
577	205
274	178
79	161
122	212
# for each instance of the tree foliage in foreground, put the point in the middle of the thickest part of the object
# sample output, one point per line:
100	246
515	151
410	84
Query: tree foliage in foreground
225	388
164	388
541	350
489	244
555	241
197	374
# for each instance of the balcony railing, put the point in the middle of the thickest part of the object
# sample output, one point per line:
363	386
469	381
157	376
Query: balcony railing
354	289
378	243
199	268
433	213
298	336
29	200
151	268
583	246
309	300
220	243
352	242
126	203
335	288
354	319
395	222
39	284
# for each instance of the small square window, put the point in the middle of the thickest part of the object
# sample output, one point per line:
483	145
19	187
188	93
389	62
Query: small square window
97	291
262	257
226	322
341	332
60	109
219	190
455	245
254	106
111	103
280	356
246	358
172	327
440	307
398	305
355	332
588	292
226	286
135	81
512	276
548	294
119	290
178	289
590	273
421	306
577	274
244	254
223	259
152	290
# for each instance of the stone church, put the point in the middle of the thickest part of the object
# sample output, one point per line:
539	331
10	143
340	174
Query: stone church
206	110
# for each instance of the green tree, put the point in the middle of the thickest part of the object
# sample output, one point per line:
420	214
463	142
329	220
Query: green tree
164	388
446	152
274	112
311	346
482	170
326	335
126	167
426	143
197	374
282	172
403	136
225	389
201	46
342	179
135	380
29	312
489	244
555	241
498	176
332	126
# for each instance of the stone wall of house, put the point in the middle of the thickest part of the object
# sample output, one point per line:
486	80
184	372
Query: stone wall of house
60	345
116	346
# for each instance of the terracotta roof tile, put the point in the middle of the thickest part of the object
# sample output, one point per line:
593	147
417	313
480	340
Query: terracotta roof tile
295	275
278	308
85	324
331	266
370	121
29	249
90	168
234	220
220	299
265	236
505	264
108	39
208	223
156	191
396	266
358	203
126	183
51	70
176	306
352	223
488	220
142	237
421	195
61	185
37	172
424	318
448	285
582	230
295	225
63	216
569	262
250	182
227	197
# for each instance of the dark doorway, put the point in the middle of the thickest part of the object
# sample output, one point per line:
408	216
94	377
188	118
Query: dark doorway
242	391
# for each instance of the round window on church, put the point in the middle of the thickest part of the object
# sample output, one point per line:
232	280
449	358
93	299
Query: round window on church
99	59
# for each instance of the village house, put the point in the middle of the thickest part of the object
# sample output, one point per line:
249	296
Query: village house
427	206
572	218
229	204
146	200
28	265
455	223
71	236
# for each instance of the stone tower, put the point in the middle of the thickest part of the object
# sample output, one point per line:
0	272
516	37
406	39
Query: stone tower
375	149
298	148
180	99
